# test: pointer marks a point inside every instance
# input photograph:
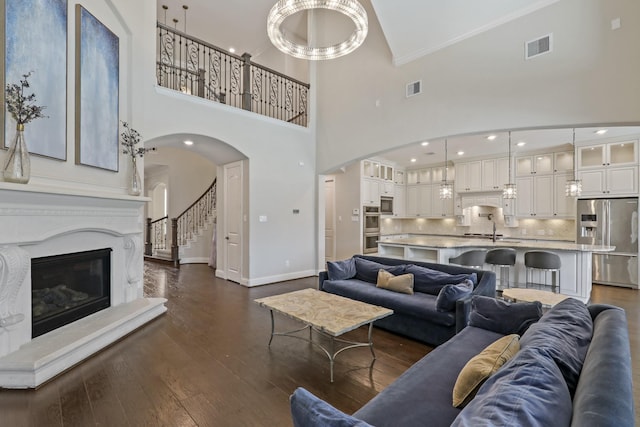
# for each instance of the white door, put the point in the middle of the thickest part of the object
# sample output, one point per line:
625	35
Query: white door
233	193
329	220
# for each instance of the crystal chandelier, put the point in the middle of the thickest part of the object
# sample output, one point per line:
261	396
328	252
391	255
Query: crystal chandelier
285	8
574	186
509	191
446	189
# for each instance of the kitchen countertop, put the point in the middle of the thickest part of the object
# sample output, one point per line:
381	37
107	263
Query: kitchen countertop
450	242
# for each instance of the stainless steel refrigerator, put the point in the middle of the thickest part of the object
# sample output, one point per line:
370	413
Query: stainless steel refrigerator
612	222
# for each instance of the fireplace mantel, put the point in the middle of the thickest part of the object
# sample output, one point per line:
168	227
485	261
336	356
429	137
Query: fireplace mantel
38	221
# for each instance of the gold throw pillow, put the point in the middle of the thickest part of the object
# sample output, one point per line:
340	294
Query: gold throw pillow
482	366
402	283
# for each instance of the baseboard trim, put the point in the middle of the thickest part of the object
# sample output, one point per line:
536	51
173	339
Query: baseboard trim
194	260
259	281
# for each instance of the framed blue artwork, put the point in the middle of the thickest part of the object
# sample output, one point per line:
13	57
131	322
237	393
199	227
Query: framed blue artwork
97	87
35	40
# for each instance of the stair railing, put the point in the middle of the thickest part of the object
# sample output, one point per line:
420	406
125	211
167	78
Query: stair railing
198	68
192	219
156	235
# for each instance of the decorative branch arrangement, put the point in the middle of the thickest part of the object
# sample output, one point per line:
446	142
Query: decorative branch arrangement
131	138
22	107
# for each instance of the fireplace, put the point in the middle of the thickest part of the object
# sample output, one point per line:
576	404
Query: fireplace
68	287
45	234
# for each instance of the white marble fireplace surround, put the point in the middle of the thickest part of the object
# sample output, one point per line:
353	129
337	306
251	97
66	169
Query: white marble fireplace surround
38	221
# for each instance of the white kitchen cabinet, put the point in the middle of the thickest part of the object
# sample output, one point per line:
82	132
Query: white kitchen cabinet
534	198
387	188
370	191
468	177
419	176
608	155
371	169
437	174
563	206
399	177
534	165
563	162
440	207
618	181
413	200
400	200
495	173
386	173
423	200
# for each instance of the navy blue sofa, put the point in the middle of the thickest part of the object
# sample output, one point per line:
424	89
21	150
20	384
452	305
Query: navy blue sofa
573	368
415	316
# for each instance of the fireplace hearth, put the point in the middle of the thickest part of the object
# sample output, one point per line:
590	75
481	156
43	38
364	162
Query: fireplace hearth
68	287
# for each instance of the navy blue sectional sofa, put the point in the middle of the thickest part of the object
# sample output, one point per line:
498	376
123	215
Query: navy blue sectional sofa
415	316
573	368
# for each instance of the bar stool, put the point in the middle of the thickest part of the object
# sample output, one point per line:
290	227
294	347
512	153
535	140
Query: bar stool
505	258
473	258
545	262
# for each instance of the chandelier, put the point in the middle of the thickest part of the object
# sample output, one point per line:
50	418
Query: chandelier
285	8
446	189
509	190
574	186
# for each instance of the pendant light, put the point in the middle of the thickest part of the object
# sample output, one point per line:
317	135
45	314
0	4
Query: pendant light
446	188
285	8
509	191
574	186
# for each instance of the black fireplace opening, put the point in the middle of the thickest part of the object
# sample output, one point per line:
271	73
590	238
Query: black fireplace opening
68	287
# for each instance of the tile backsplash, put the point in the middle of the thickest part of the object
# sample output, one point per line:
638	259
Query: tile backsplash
547	229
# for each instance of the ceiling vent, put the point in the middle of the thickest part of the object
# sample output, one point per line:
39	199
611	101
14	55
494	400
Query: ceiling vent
539	46
414	88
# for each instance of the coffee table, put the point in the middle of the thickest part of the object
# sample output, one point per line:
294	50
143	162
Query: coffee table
328	314
547	298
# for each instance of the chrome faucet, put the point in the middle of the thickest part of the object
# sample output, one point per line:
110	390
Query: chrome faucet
493	235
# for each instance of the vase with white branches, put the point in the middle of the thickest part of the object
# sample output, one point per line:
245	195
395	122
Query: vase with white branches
22	108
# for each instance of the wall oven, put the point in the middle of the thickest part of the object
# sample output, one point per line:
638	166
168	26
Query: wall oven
371	229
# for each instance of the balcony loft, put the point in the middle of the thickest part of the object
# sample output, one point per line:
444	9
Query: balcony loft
195	67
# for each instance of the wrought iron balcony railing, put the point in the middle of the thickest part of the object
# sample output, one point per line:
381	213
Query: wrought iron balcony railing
193	66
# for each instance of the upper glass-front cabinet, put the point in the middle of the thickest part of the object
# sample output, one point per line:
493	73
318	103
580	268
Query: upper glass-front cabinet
612	154
538	164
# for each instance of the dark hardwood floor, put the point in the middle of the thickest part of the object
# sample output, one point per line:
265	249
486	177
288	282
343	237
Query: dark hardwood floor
206	363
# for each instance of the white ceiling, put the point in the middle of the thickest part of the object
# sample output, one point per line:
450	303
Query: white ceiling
412	28
421	27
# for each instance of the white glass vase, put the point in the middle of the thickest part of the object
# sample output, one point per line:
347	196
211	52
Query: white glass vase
17	166
135	186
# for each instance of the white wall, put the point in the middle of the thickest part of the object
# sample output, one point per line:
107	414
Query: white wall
122	18
281	167
484	83
348	232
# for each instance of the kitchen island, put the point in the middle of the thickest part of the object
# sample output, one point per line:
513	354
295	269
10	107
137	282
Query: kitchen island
575	274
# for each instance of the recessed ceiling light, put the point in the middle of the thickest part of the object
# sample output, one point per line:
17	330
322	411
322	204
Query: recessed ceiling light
521	144
460	153
414	160
601	131
424	144
232	49
188	142
492	137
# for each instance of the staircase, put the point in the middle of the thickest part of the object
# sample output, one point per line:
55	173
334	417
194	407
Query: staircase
185	231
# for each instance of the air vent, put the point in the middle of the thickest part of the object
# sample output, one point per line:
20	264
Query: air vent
414	88
539	46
